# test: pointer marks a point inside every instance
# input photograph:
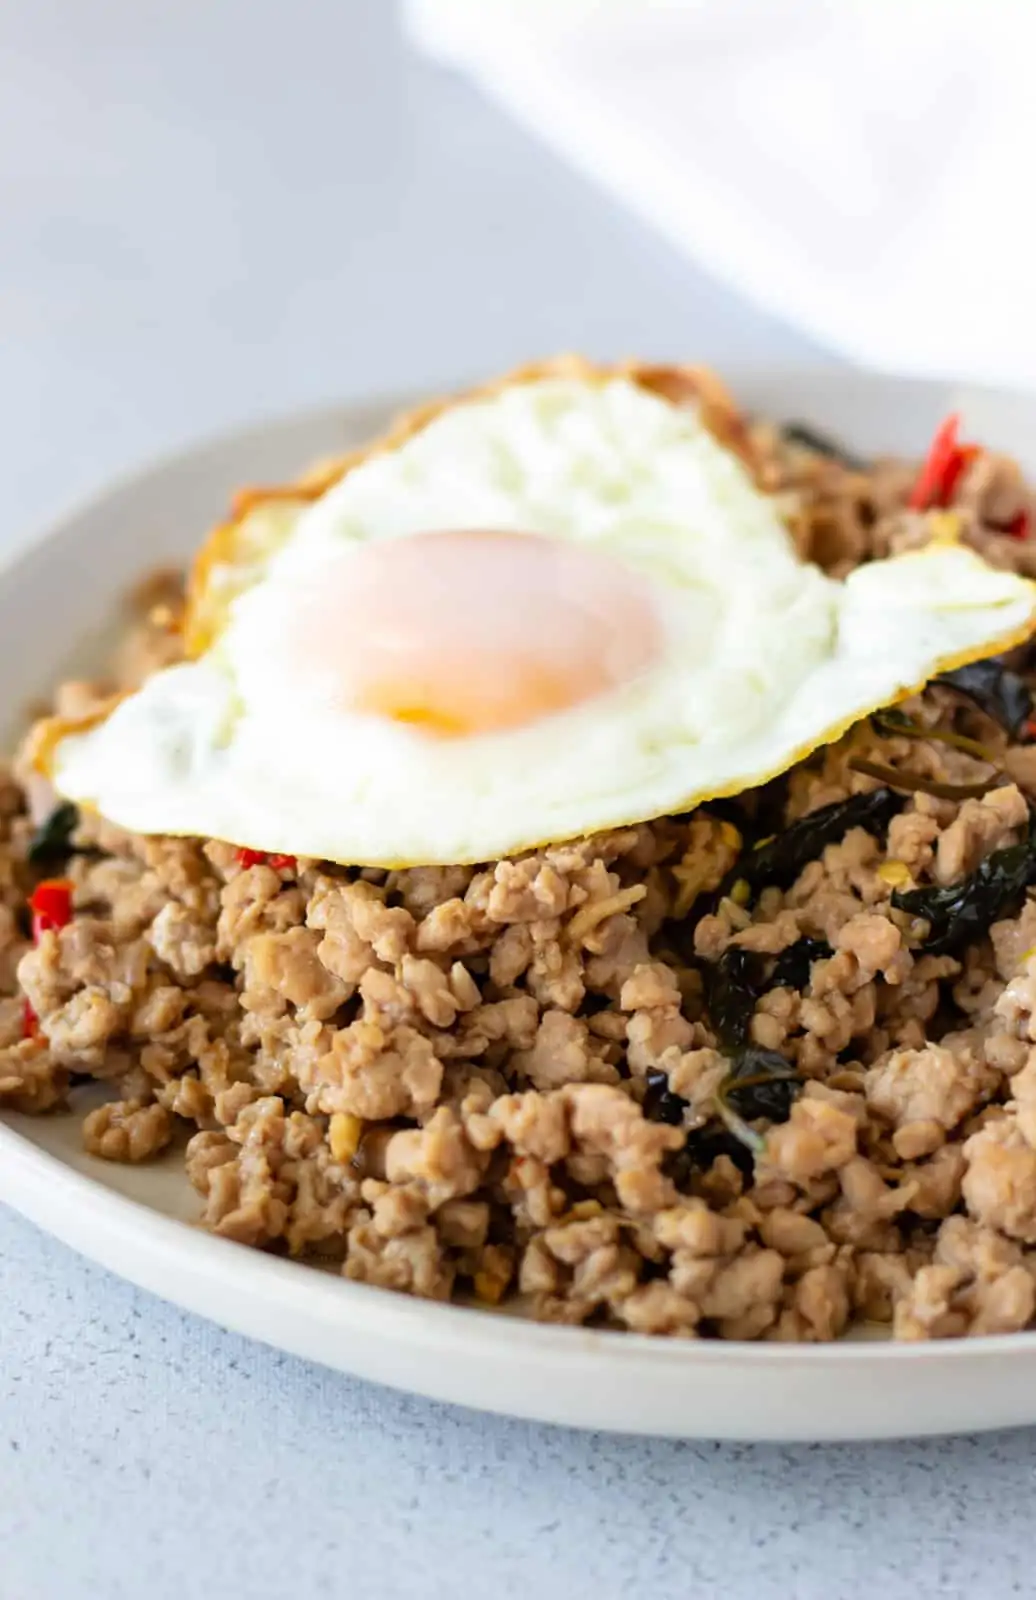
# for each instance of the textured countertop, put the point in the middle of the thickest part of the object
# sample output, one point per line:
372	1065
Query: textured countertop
207	213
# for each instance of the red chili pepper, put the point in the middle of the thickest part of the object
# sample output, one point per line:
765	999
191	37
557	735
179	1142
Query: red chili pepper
51	905
30	1022
256	858
1019	527
943	467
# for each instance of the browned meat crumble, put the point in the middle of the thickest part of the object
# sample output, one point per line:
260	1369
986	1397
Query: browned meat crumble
508	1080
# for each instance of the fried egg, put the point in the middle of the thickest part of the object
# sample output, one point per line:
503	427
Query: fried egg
553	608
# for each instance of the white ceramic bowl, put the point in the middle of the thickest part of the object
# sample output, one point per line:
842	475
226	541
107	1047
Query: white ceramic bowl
56	601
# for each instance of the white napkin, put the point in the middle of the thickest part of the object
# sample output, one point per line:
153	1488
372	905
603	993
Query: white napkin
863	168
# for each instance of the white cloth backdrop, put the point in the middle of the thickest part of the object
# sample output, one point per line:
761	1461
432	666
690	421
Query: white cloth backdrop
864	168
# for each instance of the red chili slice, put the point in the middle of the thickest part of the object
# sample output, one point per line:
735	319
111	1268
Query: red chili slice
965	456
51	905
943	467
258	858
1019	527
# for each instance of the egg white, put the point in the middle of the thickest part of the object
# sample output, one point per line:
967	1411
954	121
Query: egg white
764	657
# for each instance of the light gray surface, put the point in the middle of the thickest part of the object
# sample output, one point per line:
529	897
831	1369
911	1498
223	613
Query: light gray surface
146	1456
209	212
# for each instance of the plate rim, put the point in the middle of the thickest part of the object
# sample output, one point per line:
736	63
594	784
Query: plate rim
322	413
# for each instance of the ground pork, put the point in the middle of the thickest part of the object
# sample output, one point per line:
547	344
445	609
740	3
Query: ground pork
980	826
505	1080
930	1085
127	1130
977	1283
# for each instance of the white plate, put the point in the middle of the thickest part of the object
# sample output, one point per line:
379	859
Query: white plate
134	1221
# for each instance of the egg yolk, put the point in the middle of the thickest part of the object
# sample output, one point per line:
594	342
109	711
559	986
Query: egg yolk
469	632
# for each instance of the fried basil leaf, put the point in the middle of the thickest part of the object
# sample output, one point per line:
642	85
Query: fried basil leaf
919	782
996	690
897	724
965	910
792	967
733	984
780	860
822	444
761	1083
52	841
660	1103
